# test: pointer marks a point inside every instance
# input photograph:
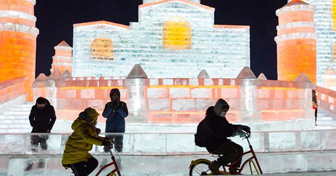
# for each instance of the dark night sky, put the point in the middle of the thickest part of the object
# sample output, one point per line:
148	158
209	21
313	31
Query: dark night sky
55	19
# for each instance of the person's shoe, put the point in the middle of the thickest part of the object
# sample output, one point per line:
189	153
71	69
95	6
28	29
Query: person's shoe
34	148
41	164
214	167
30	166
233	171
44	146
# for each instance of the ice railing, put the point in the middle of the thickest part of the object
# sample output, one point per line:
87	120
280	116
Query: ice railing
180	143
326	99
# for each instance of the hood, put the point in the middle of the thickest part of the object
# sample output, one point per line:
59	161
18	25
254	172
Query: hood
89	115
43	99
115	91
219	105
210	112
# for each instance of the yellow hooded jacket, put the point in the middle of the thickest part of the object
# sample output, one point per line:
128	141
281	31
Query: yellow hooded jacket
80	141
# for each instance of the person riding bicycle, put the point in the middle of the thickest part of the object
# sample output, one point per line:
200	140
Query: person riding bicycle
218	143
76	153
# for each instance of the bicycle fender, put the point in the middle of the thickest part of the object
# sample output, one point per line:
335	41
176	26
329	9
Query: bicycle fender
195	162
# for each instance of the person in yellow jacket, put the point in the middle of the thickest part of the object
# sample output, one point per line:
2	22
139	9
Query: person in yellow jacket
76	153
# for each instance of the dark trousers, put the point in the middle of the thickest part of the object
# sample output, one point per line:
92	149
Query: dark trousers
230	151
84	168
117	140
39	139
315	115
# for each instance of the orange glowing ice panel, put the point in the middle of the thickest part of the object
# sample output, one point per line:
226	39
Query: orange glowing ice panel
176	34
102	49
296	57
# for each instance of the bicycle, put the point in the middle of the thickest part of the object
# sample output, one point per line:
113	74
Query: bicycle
115	171
201	166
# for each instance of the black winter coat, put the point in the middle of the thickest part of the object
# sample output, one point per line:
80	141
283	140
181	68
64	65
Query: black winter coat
42	119
220	129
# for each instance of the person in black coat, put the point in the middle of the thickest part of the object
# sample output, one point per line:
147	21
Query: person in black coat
42	118
221	129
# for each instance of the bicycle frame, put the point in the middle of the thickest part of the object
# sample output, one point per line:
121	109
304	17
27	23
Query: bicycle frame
249	160
224	170
113	172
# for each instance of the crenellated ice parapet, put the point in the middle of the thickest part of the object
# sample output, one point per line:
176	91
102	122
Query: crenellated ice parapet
181	100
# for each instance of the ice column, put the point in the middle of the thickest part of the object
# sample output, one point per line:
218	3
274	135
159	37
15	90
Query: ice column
248	92
296	41
136	83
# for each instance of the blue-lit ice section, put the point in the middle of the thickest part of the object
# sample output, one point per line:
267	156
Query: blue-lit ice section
219	49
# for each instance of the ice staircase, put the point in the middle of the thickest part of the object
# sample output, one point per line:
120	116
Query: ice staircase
325	120
16	120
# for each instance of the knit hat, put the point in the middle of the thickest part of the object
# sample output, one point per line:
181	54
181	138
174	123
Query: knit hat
219	105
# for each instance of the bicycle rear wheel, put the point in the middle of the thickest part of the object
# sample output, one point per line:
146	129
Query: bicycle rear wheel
201	168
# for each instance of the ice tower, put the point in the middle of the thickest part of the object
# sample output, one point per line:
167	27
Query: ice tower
18	42
296	41
172	39
62	59
325	26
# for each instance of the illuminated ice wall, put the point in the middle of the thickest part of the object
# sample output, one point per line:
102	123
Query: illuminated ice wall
296	41
17	47
324	18
172	39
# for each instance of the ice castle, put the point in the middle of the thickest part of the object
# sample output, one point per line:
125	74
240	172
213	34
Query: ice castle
173	39
170	66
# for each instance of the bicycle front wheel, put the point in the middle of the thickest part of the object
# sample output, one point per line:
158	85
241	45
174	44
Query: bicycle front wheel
201	168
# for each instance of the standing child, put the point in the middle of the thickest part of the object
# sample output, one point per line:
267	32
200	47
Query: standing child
115	111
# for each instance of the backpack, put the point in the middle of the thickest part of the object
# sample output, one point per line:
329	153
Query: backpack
203	134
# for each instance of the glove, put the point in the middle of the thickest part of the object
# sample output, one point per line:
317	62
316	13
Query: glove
98	131
107	143
242	130
240	133
247	129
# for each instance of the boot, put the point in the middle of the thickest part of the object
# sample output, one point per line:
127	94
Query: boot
30	166
214	167
41	164
233	171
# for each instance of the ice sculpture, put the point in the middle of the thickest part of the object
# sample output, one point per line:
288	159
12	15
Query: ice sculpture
173	39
